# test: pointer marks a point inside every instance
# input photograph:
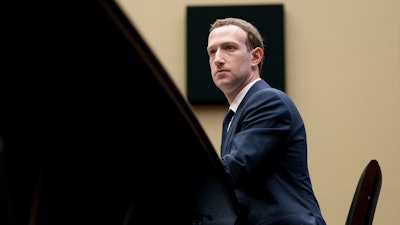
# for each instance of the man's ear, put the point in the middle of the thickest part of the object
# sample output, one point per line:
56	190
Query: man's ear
258	54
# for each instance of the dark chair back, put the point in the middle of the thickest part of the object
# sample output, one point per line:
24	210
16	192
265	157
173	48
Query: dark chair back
365	198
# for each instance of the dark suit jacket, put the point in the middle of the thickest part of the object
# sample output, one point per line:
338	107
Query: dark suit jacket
265	154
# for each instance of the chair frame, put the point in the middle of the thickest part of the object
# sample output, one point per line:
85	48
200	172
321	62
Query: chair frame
363	205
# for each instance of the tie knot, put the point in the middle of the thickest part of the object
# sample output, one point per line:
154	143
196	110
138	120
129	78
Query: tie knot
226	122
228	116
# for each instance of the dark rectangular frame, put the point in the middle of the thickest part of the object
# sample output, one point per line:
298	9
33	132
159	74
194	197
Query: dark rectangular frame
267	18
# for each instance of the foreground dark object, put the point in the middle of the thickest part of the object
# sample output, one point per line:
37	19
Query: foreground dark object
82	143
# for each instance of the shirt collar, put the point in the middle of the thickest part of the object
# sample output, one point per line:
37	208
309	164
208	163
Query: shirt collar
239	97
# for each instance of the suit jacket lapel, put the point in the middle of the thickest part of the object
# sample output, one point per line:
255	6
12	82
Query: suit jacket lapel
230	133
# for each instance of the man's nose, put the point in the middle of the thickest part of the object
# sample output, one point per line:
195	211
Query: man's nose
218	59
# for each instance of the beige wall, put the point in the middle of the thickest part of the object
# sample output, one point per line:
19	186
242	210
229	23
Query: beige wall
342	71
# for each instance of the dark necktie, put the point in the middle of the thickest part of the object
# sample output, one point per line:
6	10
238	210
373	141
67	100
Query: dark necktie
225	123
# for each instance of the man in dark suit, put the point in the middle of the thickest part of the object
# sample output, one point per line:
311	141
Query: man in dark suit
264	147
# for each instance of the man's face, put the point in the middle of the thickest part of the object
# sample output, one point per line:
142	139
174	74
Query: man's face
230	61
